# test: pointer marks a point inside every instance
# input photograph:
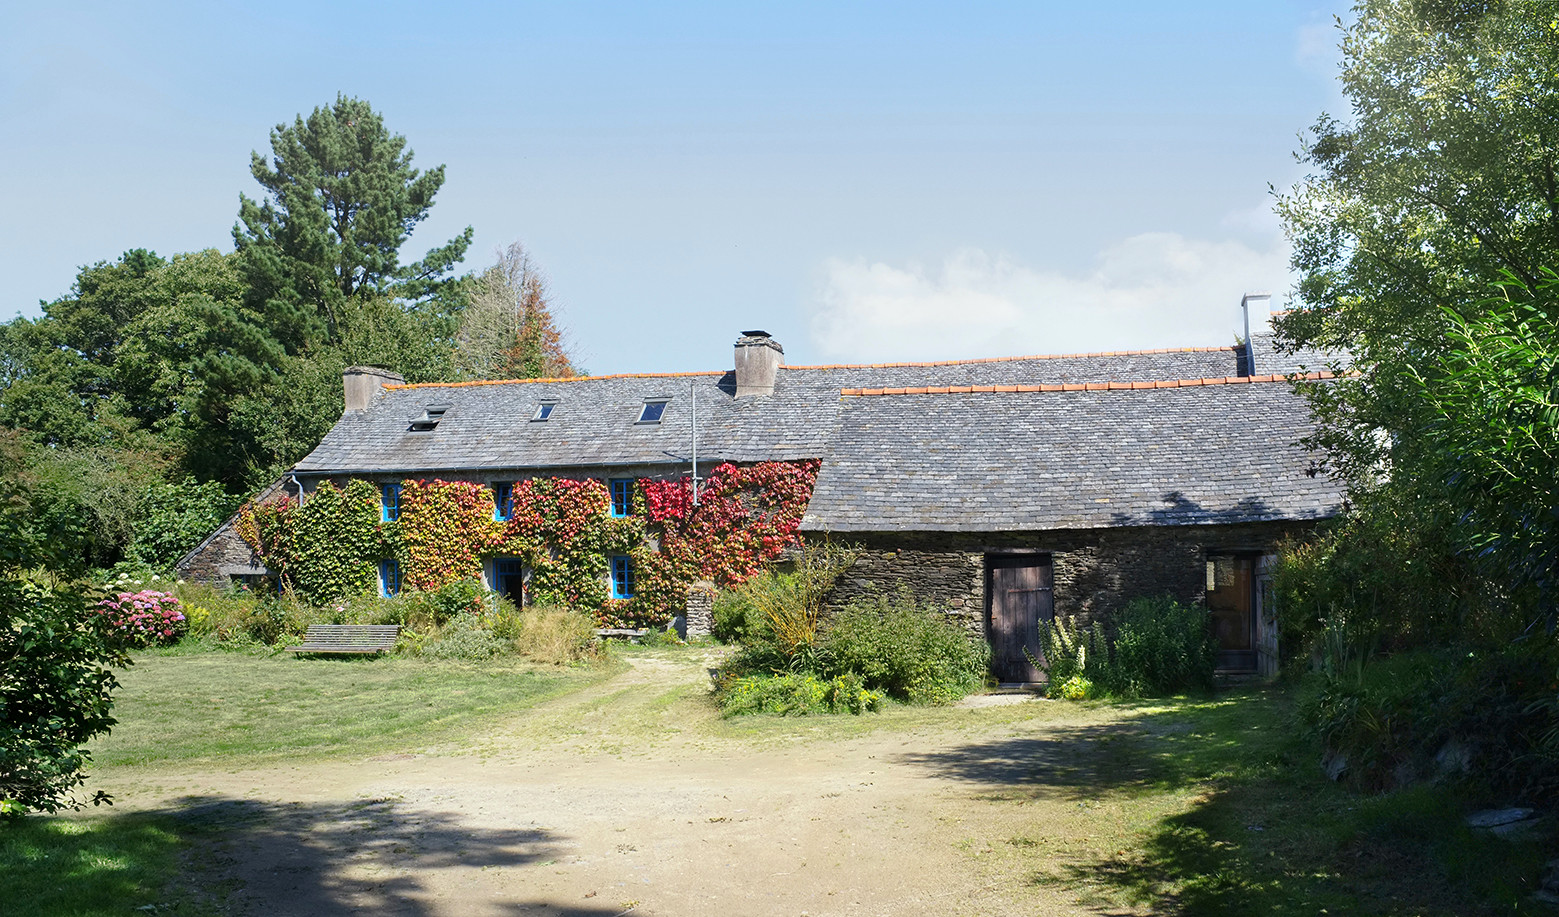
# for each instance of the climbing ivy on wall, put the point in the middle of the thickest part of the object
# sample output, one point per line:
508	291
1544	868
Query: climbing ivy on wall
745	518
325	548
447	527
560	528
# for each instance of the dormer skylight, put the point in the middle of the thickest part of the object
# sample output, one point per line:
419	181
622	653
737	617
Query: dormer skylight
543	411
431	415
653	409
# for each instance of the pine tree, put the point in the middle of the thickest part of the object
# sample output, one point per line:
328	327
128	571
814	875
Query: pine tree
341	199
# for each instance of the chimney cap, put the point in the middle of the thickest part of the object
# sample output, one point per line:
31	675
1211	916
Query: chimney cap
756	334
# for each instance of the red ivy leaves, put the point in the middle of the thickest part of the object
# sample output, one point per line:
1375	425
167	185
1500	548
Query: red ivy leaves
746	517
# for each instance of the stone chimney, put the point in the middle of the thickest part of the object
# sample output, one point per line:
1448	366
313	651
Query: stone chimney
1258	320
758	359
362	385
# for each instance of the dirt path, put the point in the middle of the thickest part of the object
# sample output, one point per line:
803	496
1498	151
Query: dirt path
631	796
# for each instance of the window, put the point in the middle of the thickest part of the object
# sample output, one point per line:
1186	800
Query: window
503	500
653	410
509	578
622	496
431	415
389	578
622	577
390	502
543	411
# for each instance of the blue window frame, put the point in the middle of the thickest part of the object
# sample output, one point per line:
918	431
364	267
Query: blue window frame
503	499
622	577
509	578
622	496
389	577
390	502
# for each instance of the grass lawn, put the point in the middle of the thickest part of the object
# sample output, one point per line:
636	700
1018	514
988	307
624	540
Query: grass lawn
98	864
182	708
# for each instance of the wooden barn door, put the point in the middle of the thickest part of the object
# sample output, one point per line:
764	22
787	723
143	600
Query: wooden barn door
1018	603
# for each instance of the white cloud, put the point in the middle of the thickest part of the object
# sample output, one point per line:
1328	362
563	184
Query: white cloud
1150	290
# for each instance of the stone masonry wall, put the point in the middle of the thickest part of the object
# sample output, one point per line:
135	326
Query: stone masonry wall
1096	571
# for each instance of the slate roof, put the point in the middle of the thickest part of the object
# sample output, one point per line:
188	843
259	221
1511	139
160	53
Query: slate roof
1066	460
488	425
994	461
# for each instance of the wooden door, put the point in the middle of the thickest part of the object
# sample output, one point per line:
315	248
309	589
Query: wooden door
1231	601
1018	603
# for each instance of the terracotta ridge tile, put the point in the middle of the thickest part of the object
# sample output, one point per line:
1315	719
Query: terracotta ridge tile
471	384
1038	356
1091	386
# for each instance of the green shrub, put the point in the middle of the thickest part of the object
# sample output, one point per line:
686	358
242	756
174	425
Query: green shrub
442	605
794	695
1484	716
1163	647
275	619
912	653
736	618
552	635
463	638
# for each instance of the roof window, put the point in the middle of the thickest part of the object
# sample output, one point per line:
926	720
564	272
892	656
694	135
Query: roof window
653	409
543	411
431	415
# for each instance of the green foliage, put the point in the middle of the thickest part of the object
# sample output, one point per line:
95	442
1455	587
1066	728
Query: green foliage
461	599
794	695
1485	717
1163	647
1160	647
737	619
912	653
55	693
171	519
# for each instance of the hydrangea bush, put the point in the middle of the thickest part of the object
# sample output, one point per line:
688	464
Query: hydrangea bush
145	618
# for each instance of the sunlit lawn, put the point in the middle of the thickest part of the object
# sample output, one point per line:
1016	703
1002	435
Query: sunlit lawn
186	708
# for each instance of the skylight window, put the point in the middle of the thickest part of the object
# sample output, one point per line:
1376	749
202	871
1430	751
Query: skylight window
653	410
431	415
543	411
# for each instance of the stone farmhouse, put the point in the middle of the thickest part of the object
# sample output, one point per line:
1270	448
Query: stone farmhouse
1004	491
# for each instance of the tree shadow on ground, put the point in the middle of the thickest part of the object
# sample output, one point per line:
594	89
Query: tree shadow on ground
361	857
1264	831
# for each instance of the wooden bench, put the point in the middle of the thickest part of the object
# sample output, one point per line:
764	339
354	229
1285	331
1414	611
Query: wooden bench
348	638
631	634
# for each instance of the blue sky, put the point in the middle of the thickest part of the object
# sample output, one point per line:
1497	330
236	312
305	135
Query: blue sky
887	181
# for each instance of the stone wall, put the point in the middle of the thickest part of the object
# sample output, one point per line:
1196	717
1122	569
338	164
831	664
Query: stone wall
1096	571
224	558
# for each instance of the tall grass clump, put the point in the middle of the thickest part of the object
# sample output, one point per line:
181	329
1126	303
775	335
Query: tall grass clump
551	634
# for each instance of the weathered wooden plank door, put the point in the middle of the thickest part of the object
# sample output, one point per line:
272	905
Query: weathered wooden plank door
1018	602
1266	618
